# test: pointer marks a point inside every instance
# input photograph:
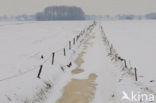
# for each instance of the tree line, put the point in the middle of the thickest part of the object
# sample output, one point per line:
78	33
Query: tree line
61	13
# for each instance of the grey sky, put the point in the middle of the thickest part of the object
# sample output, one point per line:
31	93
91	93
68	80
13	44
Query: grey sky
14	7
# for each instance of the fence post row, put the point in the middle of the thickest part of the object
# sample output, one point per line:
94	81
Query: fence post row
83	34
64	50
125	63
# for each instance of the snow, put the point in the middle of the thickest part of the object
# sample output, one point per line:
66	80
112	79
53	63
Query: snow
109	87
22	46
135	41
21	49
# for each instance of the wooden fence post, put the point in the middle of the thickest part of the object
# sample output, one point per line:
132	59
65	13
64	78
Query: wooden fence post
53	55
136	78
125	63
40	70
64	50
69	44
73	41
111	52
77	38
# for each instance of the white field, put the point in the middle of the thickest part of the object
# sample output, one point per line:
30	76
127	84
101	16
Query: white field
23	43
136	42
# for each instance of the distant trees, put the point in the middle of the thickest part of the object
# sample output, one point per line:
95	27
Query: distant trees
61	13
150	16
72	13
4	18
115	17
126	17
25	17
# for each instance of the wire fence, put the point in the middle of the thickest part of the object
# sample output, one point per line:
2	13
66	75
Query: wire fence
116	58
128	69
75	42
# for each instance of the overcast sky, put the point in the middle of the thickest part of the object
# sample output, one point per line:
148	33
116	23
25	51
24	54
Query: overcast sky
15	7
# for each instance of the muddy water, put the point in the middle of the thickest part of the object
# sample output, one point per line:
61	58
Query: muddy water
80	90
79	60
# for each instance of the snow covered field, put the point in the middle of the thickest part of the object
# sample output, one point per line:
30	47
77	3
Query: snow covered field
86	74
22	44
135	41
